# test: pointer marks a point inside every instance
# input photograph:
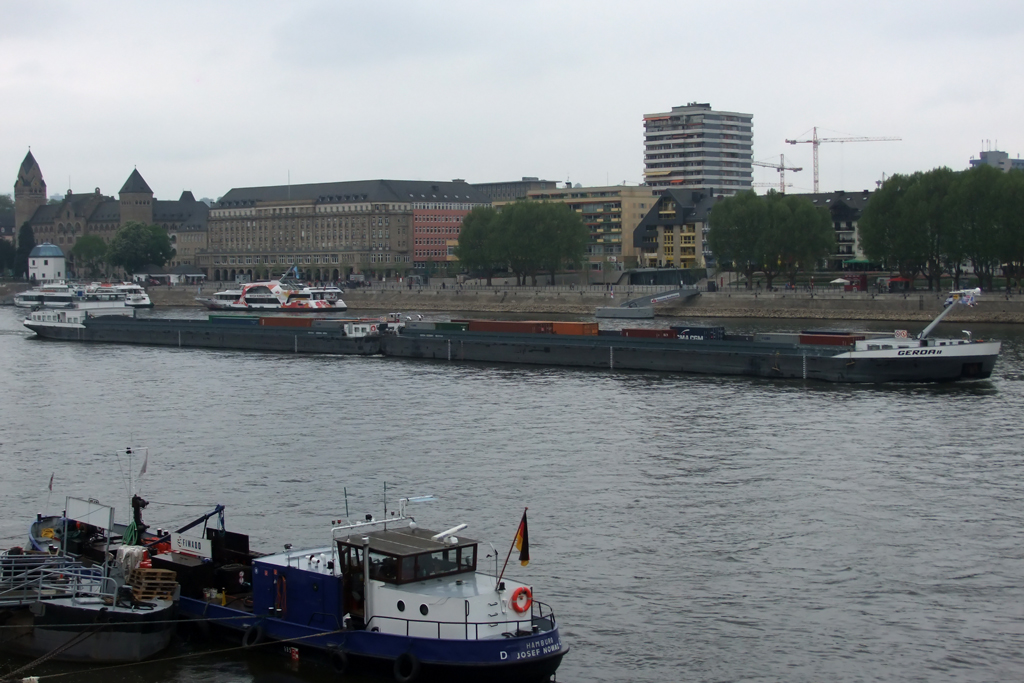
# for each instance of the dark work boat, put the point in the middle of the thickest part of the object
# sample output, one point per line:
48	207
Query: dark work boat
381	595
66	598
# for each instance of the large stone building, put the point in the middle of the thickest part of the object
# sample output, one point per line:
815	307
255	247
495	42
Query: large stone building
327	231
698	148
611	214
63	223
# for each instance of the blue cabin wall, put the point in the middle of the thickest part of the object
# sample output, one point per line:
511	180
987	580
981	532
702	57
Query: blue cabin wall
306	597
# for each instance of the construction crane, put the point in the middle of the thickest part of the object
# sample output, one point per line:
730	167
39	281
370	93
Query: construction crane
815	141
781	168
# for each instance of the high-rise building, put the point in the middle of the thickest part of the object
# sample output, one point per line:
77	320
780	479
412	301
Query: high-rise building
698	148
1000	160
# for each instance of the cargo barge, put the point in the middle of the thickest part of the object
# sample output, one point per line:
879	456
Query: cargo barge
246	333
818	355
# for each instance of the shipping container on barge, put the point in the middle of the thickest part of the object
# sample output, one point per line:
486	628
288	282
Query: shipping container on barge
828	356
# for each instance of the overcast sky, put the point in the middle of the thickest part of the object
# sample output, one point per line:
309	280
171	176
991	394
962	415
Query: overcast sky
209	96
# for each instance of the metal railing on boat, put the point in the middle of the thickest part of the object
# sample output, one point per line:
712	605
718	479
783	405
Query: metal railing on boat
541	616
29	578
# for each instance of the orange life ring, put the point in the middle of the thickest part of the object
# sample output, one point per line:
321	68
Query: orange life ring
526	604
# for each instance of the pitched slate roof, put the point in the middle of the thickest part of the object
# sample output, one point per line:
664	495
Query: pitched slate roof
135	184
109	210
358	191
691	206
45	214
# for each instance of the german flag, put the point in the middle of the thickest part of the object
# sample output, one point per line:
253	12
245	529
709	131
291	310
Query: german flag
523	542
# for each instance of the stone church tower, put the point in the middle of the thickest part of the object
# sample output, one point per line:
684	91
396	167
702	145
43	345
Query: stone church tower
29	191
136	200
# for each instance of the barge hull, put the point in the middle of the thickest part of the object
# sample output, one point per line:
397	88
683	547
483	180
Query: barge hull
524	658
119	637
209	334
678	356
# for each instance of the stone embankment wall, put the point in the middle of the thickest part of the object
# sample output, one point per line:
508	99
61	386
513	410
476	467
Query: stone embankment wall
994	307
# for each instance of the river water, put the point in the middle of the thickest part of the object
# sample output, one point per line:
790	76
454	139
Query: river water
683	528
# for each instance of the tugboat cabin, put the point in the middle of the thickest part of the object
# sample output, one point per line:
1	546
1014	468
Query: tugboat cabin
400	580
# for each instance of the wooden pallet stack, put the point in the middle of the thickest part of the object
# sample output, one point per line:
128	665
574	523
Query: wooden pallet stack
152	584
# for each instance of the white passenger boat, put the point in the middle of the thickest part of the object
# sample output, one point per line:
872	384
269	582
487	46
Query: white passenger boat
134	294
50	294
275	295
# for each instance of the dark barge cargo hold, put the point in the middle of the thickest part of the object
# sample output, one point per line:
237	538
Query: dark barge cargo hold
820	355
251	333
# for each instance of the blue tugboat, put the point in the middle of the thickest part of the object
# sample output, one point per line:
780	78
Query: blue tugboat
386	595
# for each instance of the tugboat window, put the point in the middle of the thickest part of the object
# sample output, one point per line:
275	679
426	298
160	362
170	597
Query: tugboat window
424	610
401	605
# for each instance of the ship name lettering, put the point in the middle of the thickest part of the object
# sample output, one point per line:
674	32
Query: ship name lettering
537	647
919	352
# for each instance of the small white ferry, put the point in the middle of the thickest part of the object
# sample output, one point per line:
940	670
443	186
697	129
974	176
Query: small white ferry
276	295
52	294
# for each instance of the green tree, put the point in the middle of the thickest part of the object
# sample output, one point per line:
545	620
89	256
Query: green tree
565	238
26	243
926	212
735	231
8	257
1011	220
772	234
976	201
520	239
479	250
135	245
6	202
89	253
801	234
887	233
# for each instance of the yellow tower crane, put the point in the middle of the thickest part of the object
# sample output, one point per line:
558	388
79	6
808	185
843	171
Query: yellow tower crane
815	141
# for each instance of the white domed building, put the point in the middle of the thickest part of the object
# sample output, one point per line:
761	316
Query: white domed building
46	263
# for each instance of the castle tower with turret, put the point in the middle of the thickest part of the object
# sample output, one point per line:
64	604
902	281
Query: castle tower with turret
136	200
29	191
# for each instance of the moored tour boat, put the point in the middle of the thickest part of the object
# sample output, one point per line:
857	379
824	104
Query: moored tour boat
134	294
276	295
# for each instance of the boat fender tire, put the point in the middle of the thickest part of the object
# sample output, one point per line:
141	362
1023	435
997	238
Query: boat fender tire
253	636
339	661
514	600
407	668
